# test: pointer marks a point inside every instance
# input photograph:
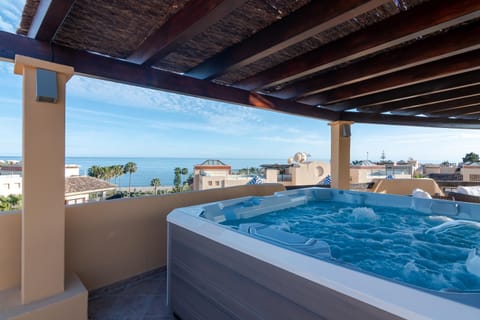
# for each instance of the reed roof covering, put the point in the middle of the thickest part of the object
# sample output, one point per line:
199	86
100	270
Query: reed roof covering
407	62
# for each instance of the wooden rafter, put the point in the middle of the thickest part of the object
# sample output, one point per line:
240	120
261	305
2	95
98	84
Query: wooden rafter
423	100
48	18
424	19
410	120
470	111
196	17
107	68
444	84
433	48
441	106
433	70
302	24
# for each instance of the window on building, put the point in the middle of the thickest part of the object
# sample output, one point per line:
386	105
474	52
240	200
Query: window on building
210	183
474	177
217	183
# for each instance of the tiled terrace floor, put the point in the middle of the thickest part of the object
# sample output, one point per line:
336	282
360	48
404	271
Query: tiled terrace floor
142	297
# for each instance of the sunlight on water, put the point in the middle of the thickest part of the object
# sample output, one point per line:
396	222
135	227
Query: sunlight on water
453	224
473	262
433	252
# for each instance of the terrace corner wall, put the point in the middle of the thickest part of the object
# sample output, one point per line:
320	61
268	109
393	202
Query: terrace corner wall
10	249
113	240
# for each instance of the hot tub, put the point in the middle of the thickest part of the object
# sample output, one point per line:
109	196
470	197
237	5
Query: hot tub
254	271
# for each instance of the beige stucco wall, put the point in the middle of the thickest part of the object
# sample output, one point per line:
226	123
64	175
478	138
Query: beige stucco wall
113	240
431	169
406	186
10	240
306	173
309	173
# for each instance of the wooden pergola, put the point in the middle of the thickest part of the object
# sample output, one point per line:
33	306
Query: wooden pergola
401	62
398	62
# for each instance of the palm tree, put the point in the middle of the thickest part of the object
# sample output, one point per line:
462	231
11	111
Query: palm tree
118	172
95	171
155	183
184	173
130	167
108	173
177	179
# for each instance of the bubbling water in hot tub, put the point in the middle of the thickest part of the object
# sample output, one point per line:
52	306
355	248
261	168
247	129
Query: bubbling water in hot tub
433	252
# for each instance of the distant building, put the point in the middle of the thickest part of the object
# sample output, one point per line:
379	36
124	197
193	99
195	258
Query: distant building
471	172
212	174
297	174
366	171
9	167
10	184
15	167
438	169
77	189
80	189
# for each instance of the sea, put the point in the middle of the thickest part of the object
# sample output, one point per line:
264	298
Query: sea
149	168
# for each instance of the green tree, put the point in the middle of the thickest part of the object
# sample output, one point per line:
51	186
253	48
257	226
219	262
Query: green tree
95	171
130	167
108	173
11	202
118	172
184	172
155	183
445	164
471	157
177	180
4	204
190	180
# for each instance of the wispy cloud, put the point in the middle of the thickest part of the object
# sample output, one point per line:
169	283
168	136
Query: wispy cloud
129	97
10	14
309	140
9	102
6	26
426	144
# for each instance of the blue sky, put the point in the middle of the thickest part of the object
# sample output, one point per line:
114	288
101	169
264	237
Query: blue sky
110	119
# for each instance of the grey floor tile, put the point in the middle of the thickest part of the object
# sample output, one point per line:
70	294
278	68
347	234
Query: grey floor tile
139	299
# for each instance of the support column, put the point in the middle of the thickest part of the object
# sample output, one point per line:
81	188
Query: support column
340	154
43	156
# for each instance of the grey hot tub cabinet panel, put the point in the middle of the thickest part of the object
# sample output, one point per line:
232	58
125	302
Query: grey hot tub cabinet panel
208	280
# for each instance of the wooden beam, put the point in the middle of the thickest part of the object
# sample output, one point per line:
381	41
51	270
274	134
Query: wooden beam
423	100
196	17
430	71
107	68
48	18
423	19
410	120
466	111
440	106
443	84
433	48
302	24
